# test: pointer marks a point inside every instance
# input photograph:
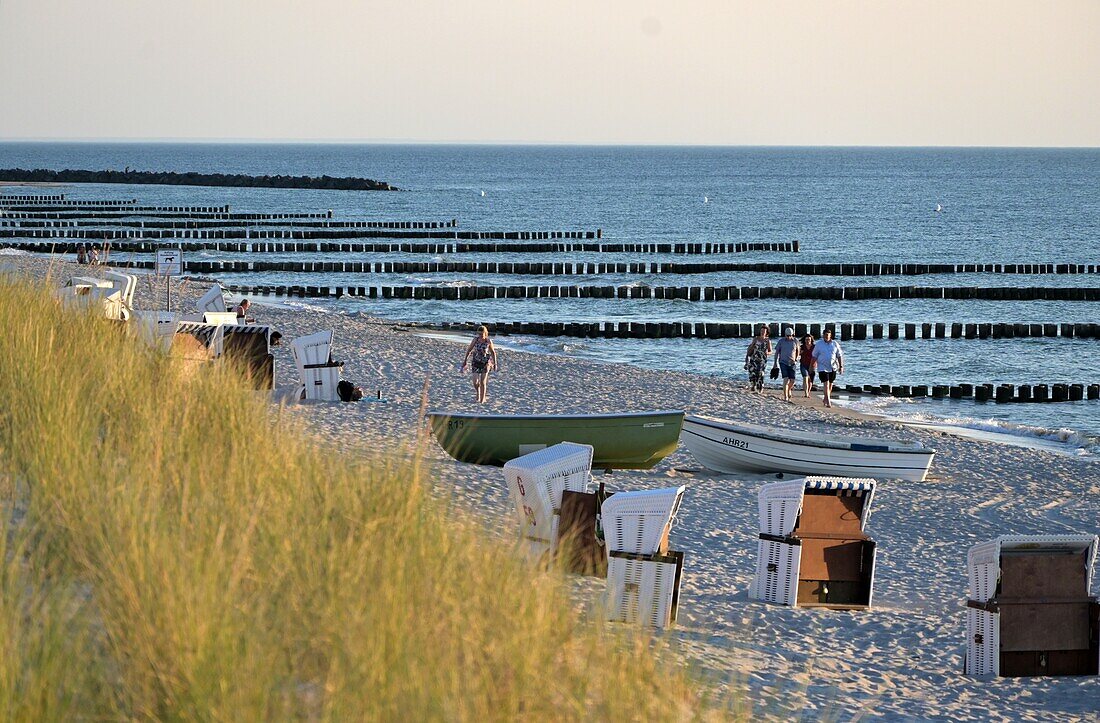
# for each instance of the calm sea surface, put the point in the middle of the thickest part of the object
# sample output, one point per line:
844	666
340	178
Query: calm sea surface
843	204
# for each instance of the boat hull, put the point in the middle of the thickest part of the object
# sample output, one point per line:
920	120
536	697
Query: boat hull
729	448
619	441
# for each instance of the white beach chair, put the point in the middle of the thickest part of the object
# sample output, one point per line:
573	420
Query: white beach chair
812	549
319	374
536	482
125	284
643	579
1029	611
212	300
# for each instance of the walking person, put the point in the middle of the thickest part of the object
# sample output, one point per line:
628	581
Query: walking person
830	363
787	351
481	356
756	358
807	364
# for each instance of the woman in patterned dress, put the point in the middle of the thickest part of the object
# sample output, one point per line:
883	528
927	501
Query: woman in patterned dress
756	359
481	356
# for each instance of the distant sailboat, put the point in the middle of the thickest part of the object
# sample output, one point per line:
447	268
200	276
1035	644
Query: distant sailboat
483	193
706	200
939	208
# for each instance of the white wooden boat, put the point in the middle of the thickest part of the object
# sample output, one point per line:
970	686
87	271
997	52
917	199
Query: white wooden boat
728	447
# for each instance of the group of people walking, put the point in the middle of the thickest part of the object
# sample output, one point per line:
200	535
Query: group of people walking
823	358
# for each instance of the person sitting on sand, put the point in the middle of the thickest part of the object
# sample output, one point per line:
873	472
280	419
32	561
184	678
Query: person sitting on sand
242	312
756	358
807	364
93	257
81	254
786	359
482	356
830	362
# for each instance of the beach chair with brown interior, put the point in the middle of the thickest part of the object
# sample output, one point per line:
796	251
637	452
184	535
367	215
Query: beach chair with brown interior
249	347
537	482
643	575
320	375
812	550
1030	612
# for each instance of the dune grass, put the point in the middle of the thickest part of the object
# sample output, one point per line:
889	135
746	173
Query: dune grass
173	548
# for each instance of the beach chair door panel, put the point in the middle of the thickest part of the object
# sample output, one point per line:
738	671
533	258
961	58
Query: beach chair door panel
537	523
777	572
983	642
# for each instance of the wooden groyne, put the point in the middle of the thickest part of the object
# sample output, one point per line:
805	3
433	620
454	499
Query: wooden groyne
185	212
190	223
289	234
65	244
189	178
697	293
37	198
533	268
746	329
988	392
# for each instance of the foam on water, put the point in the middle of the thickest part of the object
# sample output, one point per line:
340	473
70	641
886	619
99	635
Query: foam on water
1064	440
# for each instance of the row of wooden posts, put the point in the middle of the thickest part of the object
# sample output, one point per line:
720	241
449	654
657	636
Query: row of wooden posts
744	330
999	393
176	223
455	247
690	293
95	208
151	211
577	268
252	233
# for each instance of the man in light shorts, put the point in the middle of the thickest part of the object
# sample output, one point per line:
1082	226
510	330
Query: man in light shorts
830	362
786	360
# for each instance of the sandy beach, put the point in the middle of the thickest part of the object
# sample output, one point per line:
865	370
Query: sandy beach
901	660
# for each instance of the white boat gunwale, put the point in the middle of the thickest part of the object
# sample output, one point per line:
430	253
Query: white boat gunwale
873	445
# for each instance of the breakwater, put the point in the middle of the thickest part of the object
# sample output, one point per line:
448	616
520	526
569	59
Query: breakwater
688	293
66	244
565	268
188	178
746	330
988	392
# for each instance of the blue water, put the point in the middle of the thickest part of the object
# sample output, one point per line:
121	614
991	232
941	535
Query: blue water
842	204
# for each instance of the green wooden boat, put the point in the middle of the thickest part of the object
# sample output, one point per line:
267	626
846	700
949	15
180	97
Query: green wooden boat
633	440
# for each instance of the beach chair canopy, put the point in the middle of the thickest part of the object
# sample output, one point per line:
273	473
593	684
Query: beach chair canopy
985	559
124	284
537	481
782	505
314	349
637	522
212	300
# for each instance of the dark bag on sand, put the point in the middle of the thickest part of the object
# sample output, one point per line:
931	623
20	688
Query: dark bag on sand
775	372
348	392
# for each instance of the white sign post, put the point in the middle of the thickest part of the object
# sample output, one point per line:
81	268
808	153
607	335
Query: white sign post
169	264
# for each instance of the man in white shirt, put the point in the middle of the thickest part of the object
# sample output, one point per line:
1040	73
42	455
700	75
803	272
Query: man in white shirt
830	363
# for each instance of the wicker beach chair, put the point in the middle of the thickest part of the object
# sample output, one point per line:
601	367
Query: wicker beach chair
537	481
812	549
643	576
125	284
212	300
319	374
1030	612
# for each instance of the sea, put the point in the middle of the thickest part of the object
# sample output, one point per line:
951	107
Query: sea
843	205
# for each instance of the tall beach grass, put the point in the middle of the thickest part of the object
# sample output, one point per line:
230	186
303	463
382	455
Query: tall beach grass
176	548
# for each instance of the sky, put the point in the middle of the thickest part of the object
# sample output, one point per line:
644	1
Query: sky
704	72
